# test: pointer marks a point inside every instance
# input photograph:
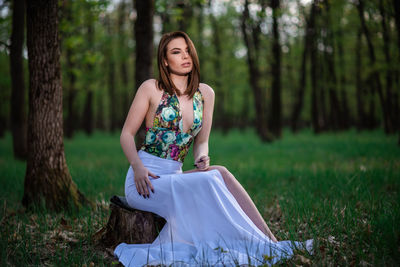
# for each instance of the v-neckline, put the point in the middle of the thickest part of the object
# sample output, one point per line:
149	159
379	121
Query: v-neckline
181	115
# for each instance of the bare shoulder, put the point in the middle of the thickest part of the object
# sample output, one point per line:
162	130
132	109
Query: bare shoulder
148	87
206	91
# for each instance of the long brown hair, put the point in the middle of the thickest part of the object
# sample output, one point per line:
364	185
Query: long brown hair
164	80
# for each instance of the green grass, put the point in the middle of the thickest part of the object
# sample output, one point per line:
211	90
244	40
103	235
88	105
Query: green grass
342	189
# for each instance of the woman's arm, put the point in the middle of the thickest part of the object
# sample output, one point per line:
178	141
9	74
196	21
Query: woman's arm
200	146
136	115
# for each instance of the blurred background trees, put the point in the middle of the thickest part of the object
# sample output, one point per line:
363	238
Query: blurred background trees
328	65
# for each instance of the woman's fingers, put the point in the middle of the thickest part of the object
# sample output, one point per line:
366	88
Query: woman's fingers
153	175
203	163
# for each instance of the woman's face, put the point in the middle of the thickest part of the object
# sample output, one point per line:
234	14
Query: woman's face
178	59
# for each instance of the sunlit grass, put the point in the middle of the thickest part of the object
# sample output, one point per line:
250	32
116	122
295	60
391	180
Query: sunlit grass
342	189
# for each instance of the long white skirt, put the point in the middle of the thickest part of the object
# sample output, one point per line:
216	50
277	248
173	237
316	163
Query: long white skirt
205	224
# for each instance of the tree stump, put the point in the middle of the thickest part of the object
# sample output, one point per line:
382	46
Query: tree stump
128	225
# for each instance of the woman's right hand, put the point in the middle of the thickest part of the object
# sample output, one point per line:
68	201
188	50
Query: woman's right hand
142	181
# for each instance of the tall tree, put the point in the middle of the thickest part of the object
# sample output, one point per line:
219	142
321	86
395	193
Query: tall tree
185	14
251	31
144	48
220	117
123	55
87	116
18	103
360	91
396	8
345	115
111	85
389	72
299	94
276	100
47	176
71	90
315	114
329	53
375	81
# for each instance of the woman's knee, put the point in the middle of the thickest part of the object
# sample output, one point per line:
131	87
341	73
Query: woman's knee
226	175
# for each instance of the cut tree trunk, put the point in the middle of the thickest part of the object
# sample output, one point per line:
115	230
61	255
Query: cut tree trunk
47	179
128	225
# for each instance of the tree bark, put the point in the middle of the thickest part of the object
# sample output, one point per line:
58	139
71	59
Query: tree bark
130	226
276	101
251	39
18	102
47	179
144	50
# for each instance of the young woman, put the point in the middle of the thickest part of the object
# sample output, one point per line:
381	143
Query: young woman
210	217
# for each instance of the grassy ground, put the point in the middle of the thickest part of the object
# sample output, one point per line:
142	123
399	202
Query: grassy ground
340	189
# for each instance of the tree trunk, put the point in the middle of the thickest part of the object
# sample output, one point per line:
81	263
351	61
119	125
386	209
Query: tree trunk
299	99
123	69
144	50
47	179
72	117
276	101
221	120
200	37
88	118
251	39
185	18
110	58
345	115
315	116
360	91
396	8
331	81
389	70
18	103
374	76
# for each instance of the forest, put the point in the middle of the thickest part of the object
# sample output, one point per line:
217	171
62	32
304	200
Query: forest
325	65
308	89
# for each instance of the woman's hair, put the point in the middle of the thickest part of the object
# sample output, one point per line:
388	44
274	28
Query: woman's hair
164	81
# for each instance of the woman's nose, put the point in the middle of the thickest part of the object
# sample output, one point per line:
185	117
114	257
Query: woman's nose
185	54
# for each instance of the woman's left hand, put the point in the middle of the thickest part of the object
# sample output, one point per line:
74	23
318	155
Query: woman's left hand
202	163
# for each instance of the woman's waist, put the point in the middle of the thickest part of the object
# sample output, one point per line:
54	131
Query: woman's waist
159	165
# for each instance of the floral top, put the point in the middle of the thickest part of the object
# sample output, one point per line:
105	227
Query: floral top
166	138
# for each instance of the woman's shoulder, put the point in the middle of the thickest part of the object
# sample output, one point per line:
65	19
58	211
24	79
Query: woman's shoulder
206	90
149	87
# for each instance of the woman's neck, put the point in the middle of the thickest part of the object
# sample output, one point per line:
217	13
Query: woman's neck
180	81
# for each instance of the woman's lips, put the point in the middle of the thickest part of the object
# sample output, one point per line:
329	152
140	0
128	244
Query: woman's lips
186	65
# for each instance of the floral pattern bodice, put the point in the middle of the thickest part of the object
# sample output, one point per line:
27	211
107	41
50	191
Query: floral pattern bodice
166	139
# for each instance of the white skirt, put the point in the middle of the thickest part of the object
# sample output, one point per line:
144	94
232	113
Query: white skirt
205	224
